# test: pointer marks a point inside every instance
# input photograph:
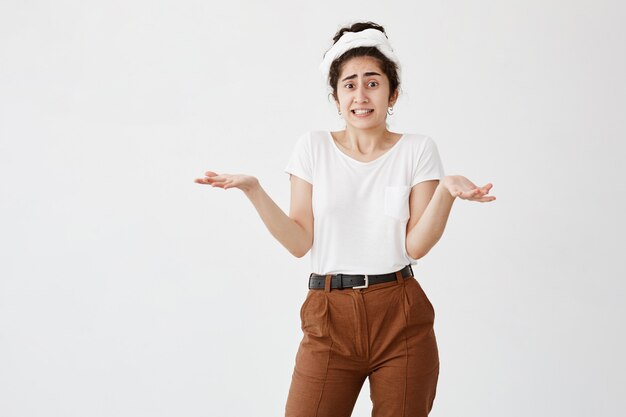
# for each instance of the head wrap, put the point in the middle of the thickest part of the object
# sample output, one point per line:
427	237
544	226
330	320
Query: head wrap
350	40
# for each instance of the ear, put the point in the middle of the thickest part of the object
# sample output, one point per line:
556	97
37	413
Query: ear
393	98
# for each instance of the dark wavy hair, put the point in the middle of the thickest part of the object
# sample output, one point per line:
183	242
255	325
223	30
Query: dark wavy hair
387	66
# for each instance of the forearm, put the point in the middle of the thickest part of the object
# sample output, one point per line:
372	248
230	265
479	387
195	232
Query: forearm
428	230
286	230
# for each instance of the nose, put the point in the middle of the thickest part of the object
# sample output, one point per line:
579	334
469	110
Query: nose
359	96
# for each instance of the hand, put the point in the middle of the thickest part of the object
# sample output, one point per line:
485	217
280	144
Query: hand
243	182
459	186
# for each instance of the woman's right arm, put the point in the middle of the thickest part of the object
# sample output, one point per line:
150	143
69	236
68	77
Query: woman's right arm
294	232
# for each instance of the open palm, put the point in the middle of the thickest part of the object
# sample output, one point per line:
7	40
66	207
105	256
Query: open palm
225	181
461	187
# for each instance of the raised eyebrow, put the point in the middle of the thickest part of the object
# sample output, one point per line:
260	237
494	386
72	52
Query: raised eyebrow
367	74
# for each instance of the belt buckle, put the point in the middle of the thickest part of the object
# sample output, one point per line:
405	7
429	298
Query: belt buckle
367	283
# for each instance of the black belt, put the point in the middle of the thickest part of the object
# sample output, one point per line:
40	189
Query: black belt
340	281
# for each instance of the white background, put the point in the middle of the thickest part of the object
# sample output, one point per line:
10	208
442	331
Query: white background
128	290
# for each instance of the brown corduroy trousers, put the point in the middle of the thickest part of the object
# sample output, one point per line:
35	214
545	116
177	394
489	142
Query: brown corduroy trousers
384	332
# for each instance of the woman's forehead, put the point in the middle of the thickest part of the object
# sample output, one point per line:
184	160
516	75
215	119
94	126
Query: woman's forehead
359	65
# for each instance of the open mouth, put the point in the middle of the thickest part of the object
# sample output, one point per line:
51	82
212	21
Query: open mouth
362	112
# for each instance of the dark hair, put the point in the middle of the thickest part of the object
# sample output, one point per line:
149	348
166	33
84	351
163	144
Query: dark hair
387	66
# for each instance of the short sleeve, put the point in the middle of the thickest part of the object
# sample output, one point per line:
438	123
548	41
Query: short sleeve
429	166
300	163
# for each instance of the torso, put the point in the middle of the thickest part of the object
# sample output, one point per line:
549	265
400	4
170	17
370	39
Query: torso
388	143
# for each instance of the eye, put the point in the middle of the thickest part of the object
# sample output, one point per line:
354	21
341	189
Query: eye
373	82
346	85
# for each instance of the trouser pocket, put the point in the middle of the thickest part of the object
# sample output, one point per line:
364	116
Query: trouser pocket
419	307
314	314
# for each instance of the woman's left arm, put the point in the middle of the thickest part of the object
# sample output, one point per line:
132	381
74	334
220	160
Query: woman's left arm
430	204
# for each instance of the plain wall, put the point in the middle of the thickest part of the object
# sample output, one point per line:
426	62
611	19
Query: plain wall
126	289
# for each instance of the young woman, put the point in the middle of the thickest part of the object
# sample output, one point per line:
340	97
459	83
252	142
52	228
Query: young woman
368	203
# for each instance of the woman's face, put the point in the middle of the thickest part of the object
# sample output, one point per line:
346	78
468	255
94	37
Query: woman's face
363	93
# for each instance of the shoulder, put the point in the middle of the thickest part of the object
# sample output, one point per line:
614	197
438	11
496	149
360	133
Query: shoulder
417	138
314	140
312	136
418	141
318	135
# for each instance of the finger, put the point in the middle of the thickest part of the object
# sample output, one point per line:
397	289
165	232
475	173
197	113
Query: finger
206	182
210	180
485	199
470	194
210	173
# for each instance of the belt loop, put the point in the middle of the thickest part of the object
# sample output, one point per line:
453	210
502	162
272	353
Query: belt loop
327	281
399	277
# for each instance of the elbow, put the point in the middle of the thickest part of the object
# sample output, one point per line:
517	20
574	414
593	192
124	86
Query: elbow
300	252
303	248
301	243
421	249
417	253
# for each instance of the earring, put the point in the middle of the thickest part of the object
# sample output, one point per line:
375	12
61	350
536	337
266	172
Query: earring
390	111
339	112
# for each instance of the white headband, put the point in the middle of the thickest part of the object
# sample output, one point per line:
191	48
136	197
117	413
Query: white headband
349	40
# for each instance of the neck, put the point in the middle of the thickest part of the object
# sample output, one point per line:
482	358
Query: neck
366	140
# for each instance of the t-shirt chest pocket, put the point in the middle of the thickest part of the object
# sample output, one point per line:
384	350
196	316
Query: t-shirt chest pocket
397	201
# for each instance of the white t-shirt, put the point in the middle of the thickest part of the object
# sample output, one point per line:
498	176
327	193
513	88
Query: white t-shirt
361	209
